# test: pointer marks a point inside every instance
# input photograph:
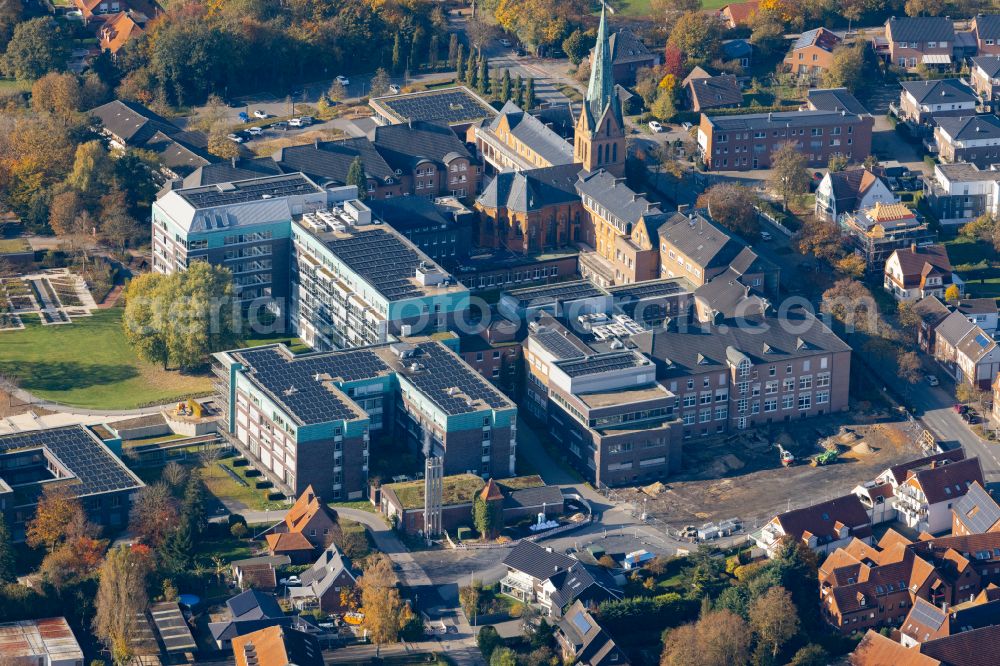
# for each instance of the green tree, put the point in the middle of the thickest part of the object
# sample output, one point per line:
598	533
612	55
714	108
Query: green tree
503	656
37	46
459	63
7	561
732	206
121	601
697	35
810	655
986	228
417	49
789	177
837	163
519	91
767	30
178	548
142	331
193	504
577	46
385	613
337	91
488	517
847	67
380	83
773	619
432	52
397	55
488	640
453	51
91	167
529	95
663	107
484	76
356	176
505	86
472	70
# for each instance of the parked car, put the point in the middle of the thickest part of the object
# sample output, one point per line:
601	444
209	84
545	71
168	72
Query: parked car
932	380
280	125
244	118
505	42
394	89
235	137
655	126
74	15
960	409
765	236
291	580
343	80
971	418
260	113
306	120
687	126
255	131
294	122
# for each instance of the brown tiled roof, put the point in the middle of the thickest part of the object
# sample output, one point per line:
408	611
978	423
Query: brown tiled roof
919	263
491	491
979	647
305	508
117	30
741	12
931	310
877	650
715	91
822	519
286	542
899	472
946	482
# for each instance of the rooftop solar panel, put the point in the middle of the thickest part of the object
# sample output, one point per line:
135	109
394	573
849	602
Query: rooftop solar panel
978	510
382	259
645	289
597	364
551	293
927	615
581	623
222	194
453	105
443	371
97	469
558	345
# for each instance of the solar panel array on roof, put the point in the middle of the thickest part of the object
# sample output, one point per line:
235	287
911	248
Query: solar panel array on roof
253	190
382	259
443	371
293	381
597	364
645	289
927	615
978	510
96	468
563	291
451	106
581	623
558	345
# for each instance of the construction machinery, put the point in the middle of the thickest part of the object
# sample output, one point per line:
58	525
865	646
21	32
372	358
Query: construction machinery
787	459
825	458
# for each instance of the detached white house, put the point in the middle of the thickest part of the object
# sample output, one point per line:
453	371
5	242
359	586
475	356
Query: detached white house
844	192
925	499
824	527
919	271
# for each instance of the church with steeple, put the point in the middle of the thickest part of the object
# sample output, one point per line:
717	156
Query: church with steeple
599	140
547	194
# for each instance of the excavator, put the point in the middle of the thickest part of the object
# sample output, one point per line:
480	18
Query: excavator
787	459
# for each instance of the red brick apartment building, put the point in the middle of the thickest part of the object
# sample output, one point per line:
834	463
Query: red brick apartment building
745	142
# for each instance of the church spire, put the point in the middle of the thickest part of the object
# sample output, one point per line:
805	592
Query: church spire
601	89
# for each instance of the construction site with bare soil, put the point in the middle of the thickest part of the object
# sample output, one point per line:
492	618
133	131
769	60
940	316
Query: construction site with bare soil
753	475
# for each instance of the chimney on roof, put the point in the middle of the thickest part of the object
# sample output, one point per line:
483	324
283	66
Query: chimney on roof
683	207
769	116
913	248
233	161
316	143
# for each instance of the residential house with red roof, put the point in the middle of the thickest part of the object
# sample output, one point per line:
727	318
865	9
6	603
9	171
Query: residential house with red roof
308	525
976	512
878	650
927	622
844	192
919	271
824	527
863	586
740	13
118	29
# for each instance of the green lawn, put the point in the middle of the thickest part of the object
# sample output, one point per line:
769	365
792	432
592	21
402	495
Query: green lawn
88	364
295	345
978	264
11	245
10	85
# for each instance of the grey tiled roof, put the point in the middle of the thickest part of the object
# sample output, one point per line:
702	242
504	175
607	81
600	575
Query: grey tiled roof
940	91
964	172
954	328
525	191
716	91
228	171
131	121
699	349
405	146
626	47
533	497
835	99
969	128
989	63
700	239
533	133
329	161
533	560
615	196
921	29
730	297
988	26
